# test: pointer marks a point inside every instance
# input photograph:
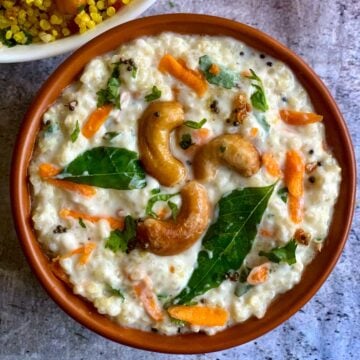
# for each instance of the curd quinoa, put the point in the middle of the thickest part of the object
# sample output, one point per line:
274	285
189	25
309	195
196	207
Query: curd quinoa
182	183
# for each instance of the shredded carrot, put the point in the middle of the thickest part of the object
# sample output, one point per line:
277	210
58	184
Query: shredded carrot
259	274
113	222
254	131
84	252
200	315
59	272
294	180
179	70
201	136
48	170
294	173
271	165
214	69
299	118
144	292
295	208
95	120
85	190
266	233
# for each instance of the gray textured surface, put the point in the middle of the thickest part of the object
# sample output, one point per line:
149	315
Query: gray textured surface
325	33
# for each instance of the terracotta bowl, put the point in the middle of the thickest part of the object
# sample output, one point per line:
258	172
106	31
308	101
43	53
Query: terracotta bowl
285	305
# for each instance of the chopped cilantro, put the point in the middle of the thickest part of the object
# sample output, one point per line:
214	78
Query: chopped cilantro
154	95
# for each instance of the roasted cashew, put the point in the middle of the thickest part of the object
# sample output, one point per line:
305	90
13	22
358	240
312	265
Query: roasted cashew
171	237
155	125
228	149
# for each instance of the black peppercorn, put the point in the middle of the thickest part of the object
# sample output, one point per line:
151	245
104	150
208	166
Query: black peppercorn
236	123
59	229
262	56
242	53
214	107
311	151
269	63
312	179
319	163
157	114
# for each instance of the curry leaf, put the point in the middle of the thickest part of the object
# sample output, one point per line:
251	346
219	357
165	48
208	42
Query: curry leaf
282	254
228	240
106	167
225	77
119	240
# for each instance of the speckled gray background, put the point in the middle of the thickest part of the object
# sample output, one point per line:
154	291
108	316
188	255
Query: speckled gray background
325	34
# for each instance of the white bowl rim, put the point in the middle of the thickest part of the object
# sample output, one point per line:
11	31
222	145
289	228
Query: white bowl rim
23	53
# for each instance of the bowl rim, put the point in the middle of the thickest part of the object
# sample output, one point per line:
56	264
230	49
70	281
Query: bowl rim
20	194
39	51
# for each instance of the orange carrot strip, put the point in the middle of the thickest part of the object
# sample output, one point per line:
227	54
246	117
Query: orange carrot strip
295	209
179	70
294	173
271	165
299	118
48	170
254	131
200	315
214	69
113	222
266	233
88	249
201	136
148	298
259	274
85	190
84	252
95	120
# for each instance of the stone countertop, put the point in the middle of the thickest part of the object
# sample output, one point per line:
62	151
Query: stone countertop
325	34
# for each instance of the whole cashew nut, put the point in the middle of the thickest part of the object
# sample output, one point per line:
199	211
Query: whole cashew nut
228	149
171	237
155	125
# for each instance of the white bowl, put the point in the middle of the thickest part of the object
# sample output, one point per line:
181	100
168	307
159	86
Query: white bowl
21	53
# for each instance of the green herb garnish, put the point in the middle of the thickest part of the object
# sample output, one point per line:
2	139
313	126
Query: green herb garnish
283	193
119	240
261	119
75	134
81	223
111	94
225	78
159	197
258	98
282	254
154	95
194	124
186	141
116	292
110	135
155	191
174	209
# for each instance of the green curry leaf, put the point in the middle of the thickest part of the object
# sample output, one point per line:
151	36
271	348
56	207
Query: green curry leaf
228	240
106	167
258	97
225	78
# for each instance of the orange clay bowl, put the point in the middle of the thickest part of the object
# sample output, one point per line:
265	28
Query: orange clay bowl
285	305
